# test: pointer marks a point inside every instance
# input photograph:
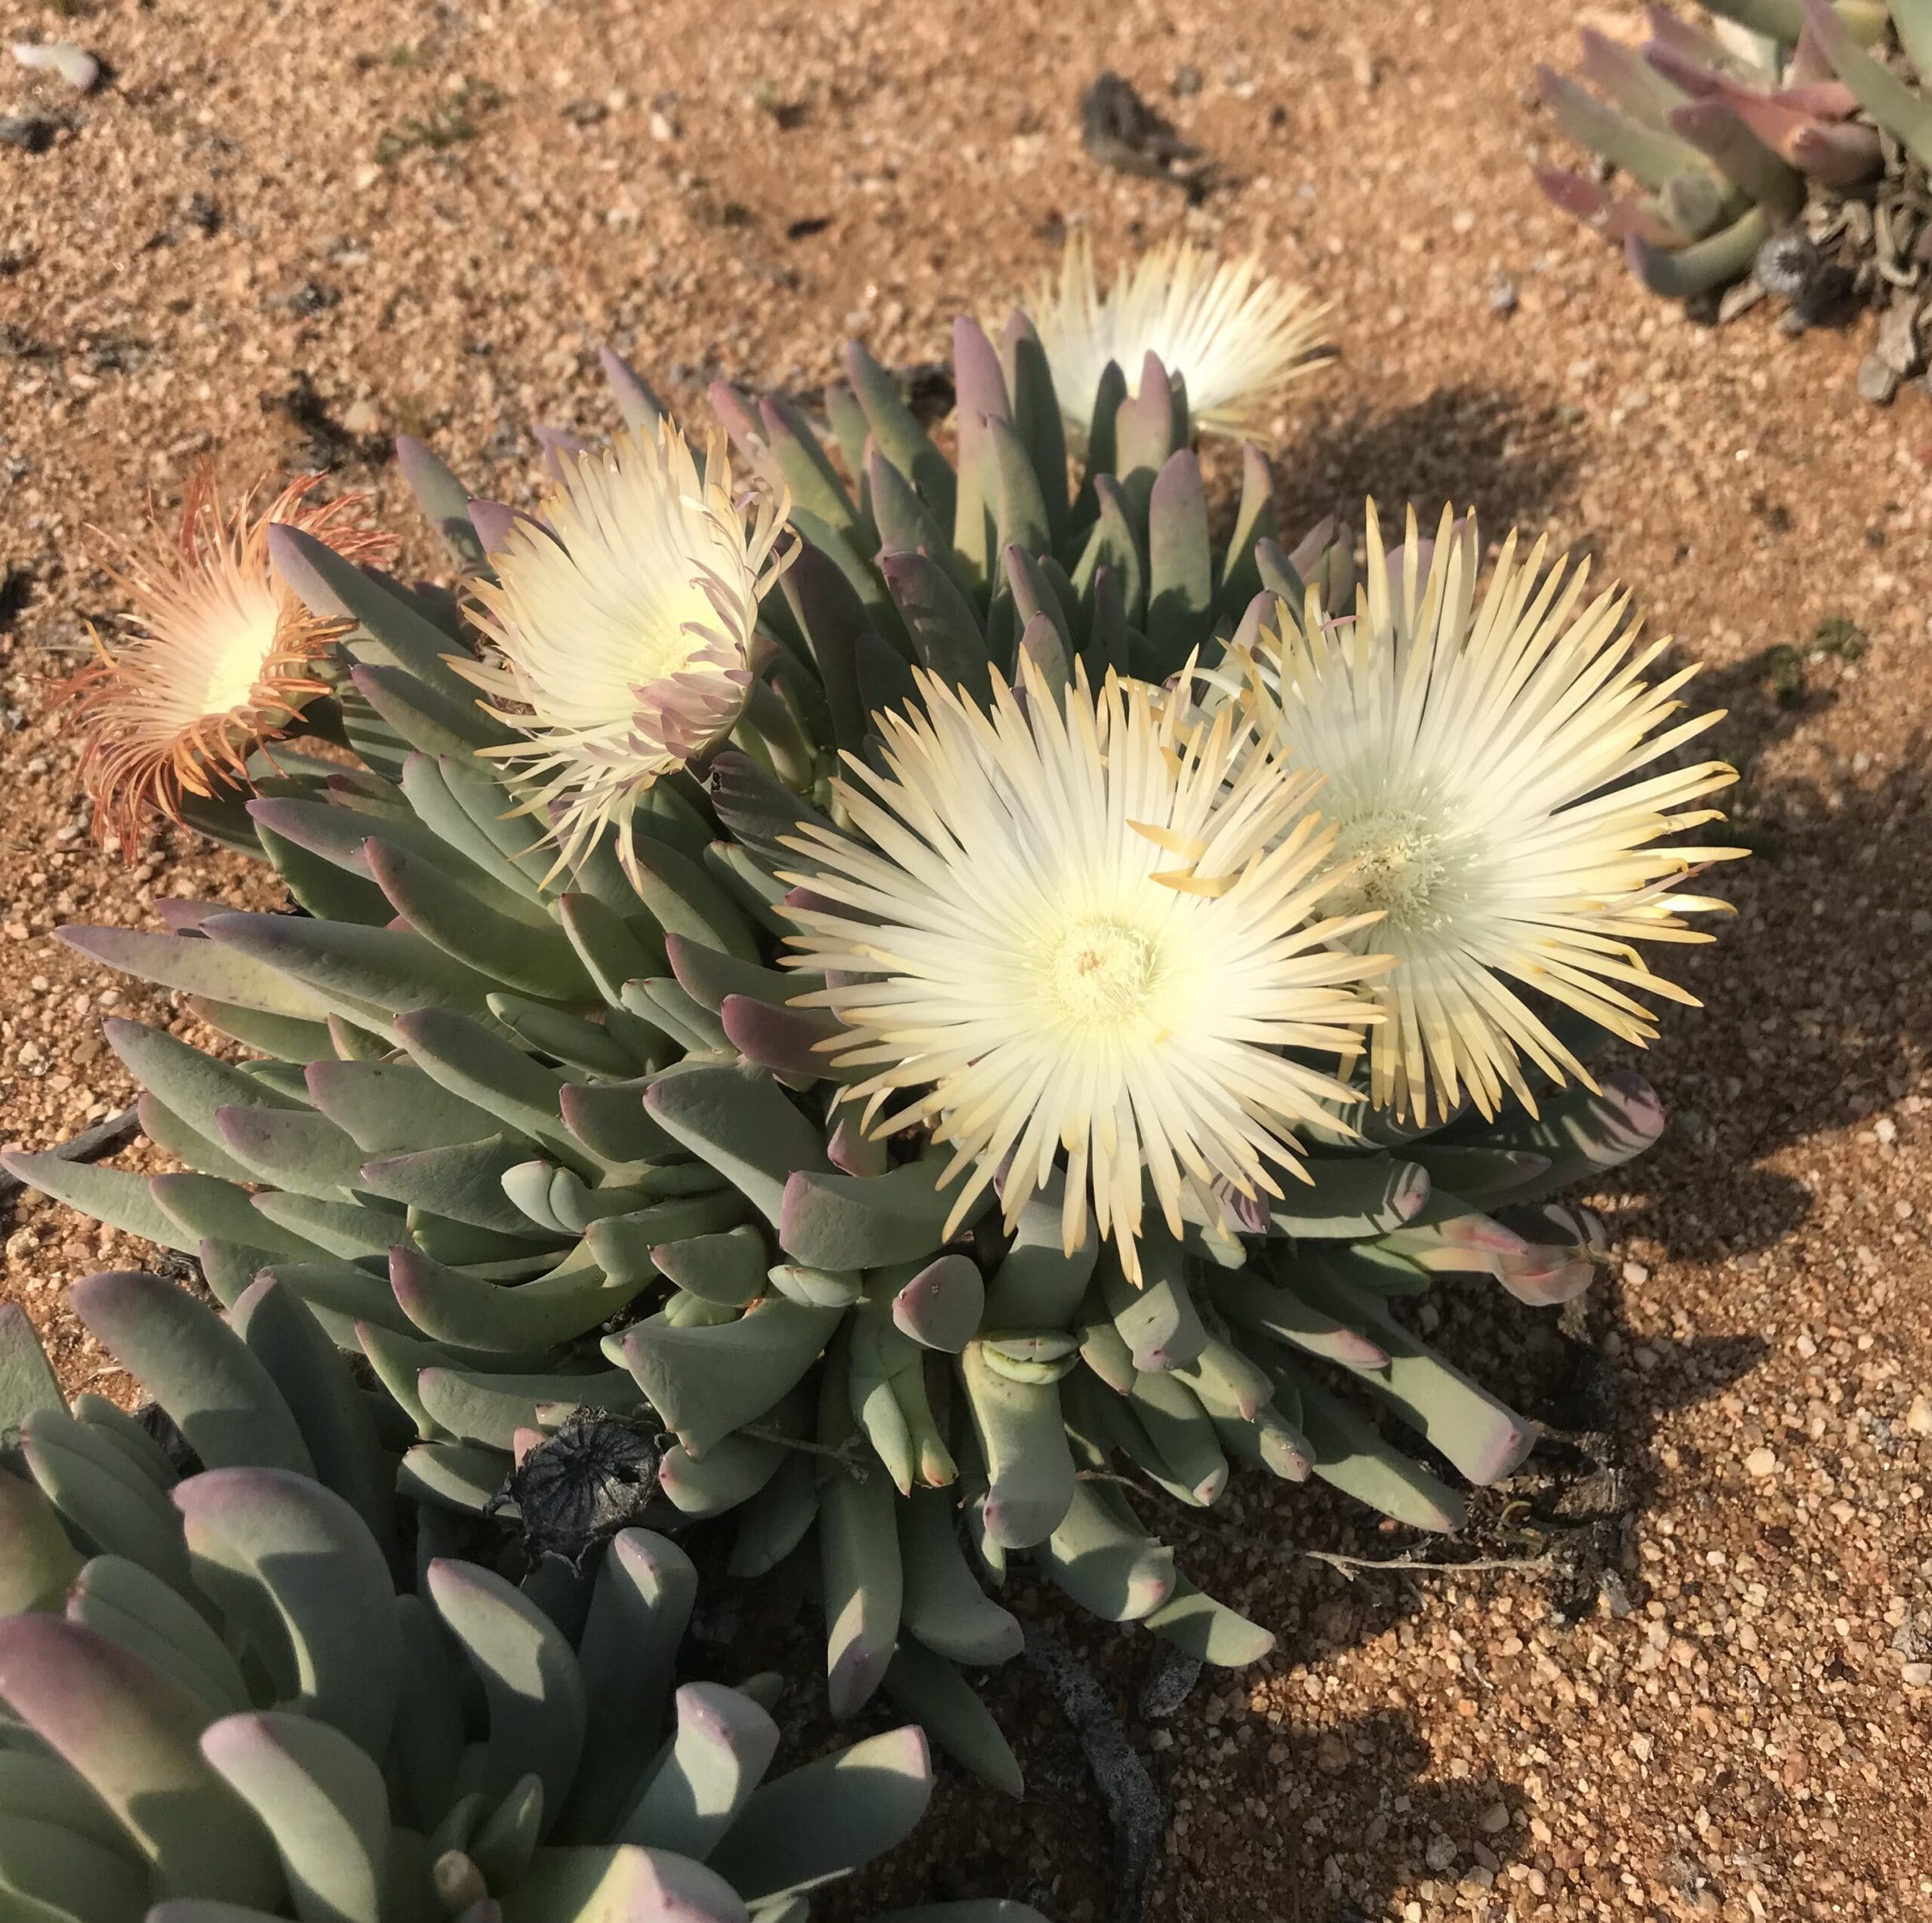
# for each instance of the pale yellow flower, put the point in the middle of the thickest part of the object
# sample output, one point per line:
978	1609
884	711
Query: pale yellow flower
1078	930
1502	777
621	614
1237	336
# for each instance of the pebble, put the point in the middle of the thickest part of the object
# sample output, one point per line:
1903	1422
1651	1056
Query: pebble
1760	1463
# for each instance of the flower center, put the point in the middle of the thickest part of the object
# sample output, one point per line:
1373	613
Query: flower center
1402	868
235	645
1102	971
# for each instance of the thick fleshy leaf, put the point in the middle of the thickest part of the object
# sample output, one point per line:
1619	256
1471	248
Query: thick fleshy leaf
132	1735
531	1683
945	1704
740	1122
1023	1439
198	1369
321	1797
37	1561
330	1409
119	1599
296	1565
1101	1557
838	1221
724	1744
705	1382
198	967
823	1821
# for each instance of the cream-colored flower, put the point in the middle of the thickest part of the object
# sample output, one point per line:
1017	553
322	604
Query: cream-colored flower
623	614
1503	779
1237	336
219	660
1079	929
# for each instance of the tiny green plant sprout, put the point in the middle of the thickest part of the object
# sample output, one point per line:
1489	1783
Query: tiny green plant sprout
957	1005
1783	151
238	1692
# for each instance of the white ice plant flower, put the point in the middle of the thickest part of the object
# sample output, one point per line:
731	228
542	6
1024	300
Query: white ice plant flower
623	615
1505	783
1077	927
1236	335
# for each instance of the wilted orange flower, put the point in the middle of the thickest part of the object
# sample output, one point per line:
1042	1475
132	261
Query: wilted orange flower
219	656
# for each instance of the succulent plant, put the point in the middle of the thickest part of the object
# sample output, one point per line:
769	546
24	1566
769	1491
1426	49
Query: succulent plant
225	1706
542	1130
1789	147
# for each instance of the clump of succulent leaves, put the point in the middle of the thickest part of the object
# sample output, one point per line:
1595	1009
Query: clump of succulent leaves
258	1690
1785	152
535	1137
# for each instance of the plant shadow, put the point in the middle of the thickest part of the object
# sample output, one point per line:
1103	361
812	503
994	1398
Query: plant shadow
1508	456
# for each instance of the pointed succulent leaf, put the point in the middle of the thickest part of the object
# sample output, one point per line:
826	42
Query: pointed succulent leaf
27	1380
390	633
131	1735
617	1883
1023	1439
1180	558
388	1107
775	1522
1037	421
531	1682
1101	1558
739	1121
895	430
106	1503
197	968
37	1560
725	1743
946	635
838	1221
942	1305
1350	1197
198	1369
824	1821
944	1606
705	1382
322	1798
491	1408
296	1564
330	1409
640	1603
1209	1630
828	608
1356	1457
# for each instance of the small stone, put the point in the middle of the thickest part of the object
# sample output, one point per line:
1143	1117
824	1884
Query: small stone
1886	1129
1494	1820
1187	81
661	129
1878	381
32	132
1635	1274
1760	1463
1917	1675
75	65
1503	299
1441	1853
1919	1417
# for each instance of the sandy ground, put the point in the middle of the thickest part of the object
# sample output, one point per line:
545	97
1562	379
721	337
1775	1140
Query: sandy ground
280	234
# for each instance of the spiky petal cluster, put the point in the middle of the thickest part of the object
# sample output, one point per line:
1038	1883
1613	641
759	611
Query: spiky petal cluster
1485	766
1237	336
220	657
1079	929
623	614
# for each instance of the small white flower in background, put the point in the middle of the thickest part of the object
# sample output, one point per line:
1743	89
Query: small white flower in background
1082	929
1501	777
1236	335
622	613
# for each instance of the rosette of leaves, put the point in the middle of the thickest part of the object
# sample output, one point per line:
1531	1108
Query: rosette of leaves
1792	144
238	1693
532	1143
